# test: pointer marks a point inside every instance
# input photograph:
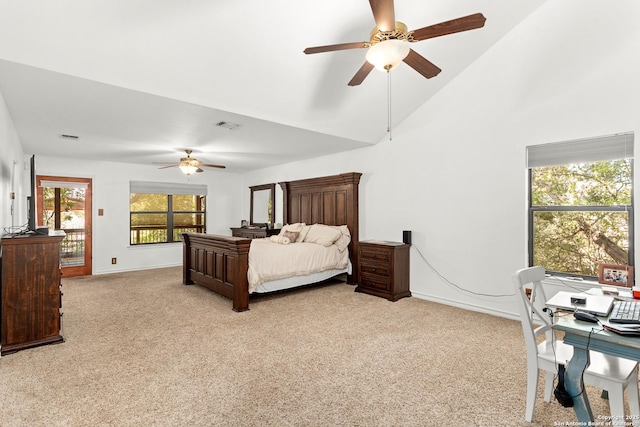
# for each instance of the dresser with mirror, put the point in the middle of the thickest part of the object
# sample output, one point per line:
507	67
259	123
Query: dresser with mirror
261	215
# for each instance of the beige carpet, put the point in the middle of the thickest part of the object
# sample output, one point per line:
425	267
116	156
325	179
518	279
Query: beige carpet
142	349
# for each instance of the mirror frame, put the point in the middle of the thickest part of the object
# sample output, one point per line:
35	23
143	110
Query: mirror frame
272	211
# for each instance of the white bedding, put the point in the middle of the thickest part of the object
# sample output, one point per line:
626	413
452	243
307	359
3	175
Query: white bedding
270	261
297	281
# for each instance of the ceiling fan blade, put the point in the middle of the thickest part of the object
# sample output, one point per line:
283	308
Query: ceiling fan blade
334	47
188	161
362	73
384	14
421	64
465	23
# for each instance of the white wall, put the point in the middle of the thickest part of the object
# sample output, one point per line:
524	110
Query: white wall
455	174
14	175
111	193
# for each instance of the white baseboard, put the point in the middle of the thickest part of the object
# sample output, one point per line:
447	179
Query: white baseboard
472	307
124	270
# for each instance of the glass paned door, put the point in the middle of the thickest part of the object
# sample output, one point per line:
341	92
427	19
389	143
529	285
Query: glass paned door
65	204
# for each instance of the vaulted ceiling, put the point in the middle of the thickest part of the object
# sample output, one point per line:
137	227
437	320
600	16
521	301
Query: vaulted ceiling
139	81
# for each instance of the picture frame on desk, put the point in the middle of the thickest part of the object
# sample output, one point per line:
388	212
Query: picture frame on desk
616	274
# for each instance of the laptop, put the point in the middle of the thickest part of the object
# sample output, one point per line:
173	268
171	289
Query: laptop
599	305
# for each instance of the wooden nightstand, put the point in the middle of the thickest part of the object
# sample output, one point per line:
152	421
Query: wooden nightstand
384	269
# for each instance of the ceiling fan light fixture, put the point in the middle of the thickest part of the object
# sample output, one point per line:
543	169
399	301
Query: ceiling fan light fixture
388	54
188	165
188	169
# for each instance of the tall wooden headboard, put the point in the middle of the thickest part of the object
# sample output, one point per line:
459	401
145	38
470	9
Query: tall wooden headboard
331	200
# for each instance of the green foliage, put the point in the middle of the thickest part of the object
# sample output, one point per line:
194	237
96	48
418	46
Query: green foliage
151	215
579	240
582	184
69	198
148	202
187	203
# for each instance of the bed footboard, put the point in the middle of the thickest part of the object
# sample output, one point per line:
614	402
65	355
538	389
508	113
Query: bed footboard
219	263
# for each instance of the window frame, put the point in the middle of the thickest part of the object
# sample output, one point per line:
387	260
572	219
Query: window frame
587	150
170	212
581	208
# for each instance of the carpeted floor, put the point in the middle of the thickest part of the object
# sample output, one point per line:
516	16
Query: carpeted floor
141	349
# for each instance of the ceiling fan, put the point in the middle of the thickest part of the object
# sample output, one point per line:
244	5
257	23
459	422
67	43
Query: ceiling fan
188	165
389	42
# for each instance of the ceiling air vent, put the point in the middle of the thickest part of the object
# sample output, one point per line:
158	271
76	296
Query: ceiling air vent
66	136
227	125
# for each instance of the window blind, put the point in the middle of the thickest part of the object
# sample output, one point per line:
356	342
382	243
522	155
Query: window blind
618	146
150	187
64	184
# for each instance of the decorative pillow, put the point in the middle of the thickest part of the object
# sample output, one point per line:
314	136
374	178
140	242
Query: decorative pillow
280	239
297	227
291	235
303	233
322	235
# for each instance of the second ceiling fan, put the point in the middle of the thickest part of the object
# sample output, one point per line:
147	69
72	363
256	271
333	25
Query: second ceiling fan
188	165
389	42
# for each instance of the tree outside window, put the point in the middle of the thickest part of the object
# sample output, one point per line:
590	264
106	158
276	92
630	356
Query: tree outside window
161	218
581	216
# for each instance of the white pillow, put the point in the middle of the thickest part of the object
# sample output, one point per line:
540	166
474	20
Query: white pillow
343	241
303	233
324	235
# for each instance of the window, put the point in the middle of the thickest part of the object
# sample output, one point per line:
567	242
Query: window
160	212
581	204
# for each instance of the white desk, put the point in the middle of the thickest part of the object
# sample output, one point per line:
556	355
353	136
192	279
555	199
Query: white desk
582	335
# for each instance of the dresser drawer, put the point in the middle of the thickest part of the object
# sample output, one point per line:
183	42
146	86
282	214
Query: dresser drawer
250	233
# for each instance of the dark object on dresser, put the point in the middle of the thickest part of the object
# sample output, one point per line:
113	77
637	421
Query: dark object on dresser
220	263
253	233
384	269
31	298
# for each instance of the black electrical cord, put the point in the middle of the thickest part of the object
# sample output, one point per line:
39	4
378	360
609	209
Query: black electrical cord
460	288
562	396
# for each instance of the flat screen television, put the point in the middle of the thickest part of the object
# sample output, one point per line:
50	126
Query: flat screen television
31	199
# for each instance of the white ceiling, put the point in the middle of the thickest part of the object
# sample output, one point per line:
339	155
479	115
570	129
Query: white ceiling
140	80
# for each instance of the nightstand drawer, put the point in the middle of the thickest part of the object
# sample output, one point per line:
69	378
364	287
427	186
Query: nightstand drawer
374	282
374	254
375	269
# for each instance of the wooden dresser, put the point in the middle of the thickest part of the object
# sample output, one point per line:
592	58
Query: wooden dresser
384	269
253	233
30	296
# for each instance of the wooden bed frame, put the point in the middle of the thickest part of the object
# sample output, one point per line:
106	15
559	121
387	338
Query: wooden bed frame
220	263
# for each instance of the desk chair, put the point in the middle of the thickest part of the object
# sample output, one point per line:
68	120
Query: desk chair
605	372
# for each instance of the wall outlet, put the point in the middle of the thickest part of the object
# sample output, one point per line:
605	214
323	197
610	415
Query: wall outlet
114	260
